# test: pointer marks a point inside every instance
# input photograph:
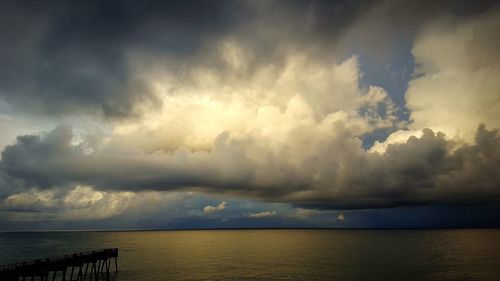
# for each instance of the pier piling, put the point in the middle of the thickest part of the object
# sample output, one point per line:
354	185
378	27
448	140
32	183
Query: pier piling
63	268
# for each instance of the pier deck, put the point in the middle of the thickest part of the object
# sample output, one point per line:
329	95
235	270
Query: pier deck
82	266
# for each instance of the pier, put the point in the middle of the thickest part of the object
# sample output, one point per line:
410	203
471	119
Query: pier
91	265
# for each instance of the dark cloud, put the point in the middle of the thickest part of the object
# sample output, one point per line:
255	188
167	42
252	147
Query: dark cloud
302	143
426	170
52	160
62	57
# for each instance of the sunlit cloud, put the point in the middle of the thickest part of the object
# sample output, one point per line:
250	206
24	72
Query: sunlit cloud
267	102
211	209
341	217
455	89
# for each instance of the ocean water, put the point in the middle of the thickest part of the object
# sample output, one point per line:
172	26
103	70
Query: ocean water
469	254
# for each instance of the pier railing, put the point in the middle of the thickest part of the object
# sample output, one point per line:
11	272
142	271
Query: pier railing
64	267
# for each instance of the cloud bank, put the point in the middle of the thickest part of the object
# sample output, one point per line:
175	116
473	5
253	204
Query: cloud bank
216	106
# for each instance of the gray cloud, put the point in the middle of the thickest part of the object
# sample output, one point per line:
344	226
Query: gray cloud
63	57
251	103
426	170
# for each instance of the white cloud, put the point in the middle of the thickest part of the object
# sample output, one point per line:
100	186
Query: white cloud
458	86
305	213
341	217
211	209
81	202
263	214
398	137
199	102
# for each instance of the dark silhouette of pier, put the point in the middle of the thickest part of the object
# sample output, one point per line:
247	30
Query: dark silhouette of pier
81	266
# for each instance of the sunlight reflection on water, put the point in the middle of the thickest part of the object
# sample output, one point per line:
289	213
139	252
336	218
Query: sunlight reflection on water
278	254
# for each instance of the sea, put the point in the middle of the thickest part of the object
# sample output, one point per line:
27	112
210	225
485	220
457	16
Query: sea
277	254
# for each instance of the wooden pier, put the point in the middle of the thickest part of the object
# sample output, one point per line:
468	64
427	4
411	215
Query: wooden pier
83	266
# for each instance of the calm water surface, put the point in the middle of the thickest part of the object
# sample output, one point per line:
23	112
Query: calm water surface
278	254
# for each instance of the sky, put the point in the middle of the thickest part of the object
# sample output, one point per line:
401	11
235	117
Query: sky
234	114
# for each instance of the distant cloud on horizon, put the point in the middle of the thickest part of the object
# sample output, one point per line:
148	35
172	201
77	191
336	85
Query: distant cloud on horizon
341	217
263	214
211	209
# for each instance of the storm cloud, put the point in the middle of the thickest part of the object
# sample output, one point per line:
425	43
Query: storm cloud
62	58
425	170
249	99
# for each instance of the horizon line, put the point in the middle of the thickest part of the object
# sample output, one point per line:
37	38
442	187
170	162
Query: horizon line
249	228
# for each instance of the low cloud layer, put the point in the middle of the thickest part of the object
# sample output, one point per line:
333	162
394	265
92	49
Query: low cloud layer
82	203
247	118
426	170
